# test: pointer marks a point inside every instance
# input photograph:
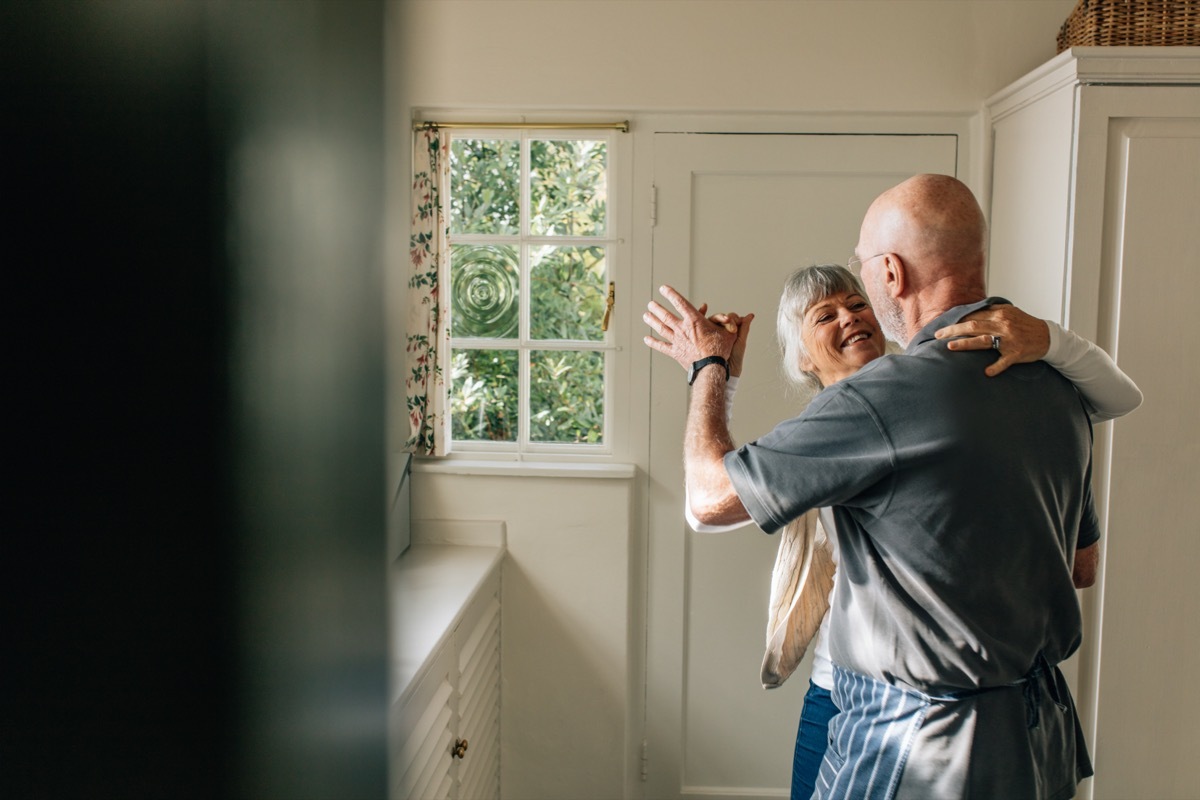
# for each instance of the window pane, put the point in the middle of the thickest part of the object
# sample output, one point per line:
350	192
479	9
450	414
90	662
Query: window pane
484	296
568	193
566	402
484	186
567	293
483	395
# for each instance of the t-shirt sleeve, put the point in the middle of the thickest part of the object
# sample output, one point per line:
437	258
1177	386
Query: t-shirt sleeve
1089	522
835	453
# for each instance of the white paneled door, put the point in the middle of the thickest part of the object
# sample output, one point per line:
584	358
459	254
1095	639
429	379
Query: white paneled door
735	213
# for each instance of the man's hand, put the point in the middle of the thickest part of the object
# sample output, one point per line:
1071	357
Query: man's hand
1023	338
689	337
740	324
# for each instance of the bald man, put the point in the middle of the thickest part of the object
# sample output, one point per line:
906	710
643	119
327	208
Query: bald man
960	501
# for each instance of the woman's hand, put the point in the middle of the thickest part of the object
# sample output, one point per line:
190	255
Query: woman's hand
734	323
1022	338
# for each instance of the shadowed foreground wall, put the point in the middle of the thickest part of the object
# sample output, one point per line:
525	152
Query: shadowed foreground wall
192	210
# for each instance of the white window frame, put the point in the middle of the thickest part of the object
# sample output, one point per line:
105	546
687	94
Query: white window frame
613	243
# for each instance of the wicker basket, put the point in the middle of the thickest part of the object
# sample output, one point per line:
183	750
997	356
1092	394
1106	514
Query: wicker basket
1131	22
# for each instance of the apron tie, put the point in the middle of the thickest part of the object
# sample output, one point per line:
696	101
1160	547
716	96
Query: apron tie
1032	689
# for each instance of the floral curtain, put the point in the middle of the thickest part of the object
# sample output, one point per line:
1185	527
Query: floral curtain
428	335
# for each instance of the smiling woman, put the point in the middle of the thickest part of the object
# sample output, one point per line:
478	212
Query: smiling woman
826	327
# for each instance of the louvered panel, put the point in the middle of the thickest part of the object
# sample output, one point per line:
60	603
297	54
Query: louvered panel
483	716
480	725
479	700
422	731
444	790
481	777
434	717
477	630
483	674
434	779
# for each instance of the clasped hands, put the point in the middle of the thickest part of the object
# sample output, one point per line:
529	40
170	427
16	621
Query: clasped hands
691	336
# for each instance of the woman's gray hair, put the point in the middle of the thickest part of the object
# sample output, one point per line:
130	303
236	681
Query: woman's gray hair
804	287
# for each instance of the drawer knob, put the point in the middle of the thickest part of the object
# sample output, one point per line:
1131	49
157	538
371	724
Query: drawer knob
460	748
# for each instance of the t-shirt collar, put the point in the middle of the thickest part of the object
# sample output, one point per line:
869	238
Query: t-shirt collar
950	317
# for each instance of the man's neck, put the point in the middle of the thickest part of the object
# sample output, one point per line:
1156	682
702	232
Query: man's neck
930	305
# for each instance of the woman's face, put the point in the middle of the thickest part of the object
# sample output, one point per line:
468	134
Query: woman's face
841	335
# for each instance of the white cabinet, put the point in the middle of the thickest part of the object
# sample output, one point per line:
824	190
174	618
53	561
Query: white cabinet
445	722
1095	212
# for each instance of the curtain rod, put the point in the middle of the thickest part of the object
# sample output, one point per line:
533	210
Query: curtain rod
623	126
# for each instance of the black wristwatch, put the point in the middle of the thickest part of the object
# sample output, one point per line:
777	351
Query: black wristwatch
704	362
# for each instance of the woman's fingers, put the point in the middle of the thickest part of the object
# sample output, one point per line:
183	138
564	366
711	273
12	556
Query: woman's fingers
982	342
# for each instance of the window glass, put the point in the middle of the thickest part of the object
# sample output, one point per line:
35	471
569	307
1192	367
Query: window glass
485	186
567	293
484	291
568	188
567	402
483	395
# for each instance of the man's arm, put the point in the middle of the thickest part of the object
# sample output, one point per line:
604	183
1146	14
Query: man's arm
687	338
1083	572
706	441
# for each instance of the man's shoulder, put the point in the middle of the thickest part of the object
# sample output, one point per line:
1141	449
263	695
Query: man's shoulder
897	372
876	391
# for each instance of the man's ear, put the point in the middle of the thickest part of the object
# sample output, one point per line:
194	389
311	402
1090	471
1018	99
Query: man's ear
895	280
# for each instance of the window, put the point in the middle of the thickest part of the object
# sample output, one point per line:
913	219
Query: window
531	248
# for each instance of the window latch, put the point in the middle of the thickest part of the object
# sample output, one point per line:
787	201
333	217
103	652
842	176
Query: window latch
608	306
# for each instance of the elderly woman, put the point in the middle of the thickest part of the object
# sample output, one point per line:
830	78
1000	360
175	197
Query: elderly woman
828	331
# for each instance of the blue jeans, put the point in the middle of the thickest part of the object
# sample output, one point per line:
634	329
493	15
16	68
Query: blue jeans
811	740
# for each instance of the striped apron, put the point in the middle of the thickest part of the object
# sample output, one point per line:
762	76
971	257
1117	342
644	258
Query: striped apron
870	739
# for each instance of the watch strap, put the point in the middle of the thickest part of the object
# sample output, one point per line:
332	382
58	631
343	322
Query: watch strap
704	362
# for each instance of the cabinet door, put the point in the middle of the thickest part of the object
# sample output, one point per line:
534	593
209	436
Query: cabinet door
478	653
1122	271
422	764
1143	651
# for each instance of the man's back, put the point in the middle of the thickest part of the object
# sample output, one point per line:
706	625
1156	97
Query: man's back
961	553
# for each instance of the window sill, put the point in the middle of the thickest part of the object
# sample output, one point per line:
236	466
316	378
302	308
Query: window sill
514	469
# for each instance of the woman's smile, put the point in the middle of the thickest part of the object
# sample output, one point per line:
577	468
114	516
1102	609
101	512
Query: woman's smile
841	334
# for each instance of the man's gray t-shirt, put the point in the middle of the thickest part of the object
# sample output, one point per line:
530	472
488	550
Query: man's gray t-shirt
960	501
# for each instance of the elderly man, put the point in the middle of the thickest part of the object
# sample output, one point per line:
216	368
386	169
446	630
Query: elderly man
960	500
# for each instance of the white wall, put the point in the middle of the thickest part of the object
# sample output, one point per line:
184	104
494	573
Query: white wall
573	616
731	55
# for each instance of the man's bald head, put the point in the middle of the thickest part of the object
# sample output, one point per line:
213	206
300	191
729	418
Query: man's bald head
936	229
